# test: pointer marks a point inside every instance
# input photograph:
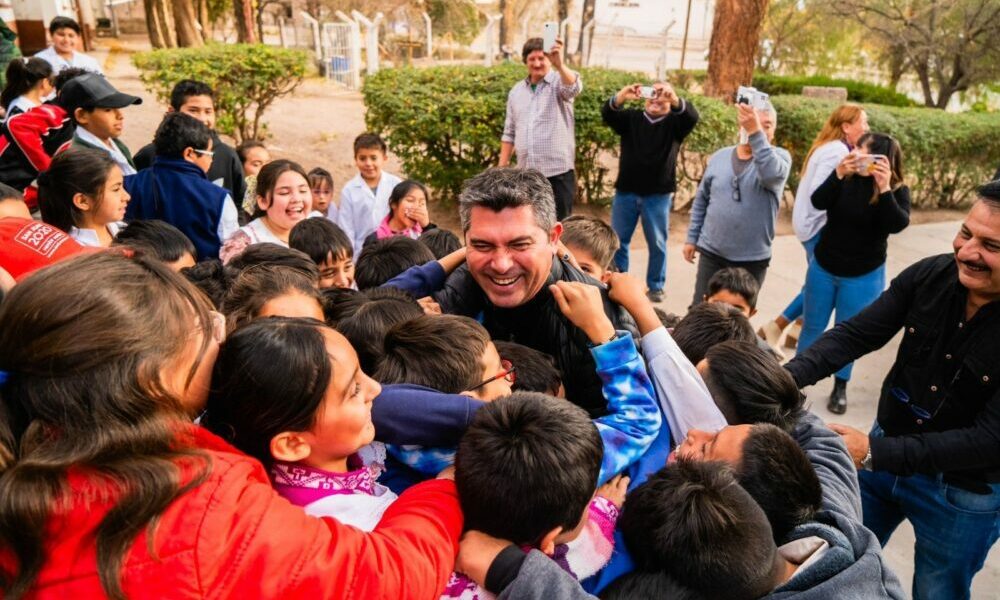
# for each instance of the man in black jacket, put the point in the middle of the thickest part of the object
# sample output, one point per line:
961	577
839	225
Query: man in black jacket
509	219
650	141
198	100
933	455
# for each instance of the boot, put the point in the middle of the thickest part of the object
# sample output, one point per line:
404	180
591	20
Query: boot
792	338
770	332
838	397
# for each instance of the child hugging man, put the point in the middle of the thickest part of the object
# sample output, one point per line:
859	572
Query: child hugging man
96	108
517	447
364	201
593	244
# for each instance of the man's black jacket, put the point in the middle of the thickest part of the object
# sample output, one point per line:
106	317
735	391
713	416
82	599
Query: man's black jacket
538	324
946	366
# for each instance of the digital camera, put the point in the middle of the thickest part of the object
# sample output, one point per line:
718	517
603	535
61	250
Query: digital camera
752	96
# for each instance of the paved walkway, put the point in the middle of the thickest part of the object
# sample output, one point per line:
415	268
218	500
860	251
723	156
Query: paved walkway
784	279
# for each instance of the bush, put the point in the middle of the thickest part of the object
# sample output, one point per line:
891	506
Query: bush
857	91
445	125
945	155
247	79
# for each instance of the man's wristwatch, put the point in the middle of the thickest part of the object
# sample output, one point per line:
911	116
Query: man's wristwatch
866	462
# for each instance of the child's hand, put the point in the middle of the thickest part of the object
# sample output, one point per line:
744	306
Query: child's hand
476	553
418	214
630	293
567	255
581	303
614	490
429	306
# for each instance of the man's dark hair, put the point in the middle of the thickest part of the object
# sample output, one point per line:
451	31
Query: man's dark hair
185	88
990	193
441	242
369	141
383	259
736	280
67	75
320	238
536	371
269	254
178	131
776	472
509	187
708	324
749	385
527	464
693	521
156	238
381	309
211	278
442	352
58	23
534	44
648	585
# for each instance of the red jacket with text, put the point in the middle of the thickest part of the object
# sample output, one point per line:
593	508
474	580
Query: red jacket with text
28	141
234	537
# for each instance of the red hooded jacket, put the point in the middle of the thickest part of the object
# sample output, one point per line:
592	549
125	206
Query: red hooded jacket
234	537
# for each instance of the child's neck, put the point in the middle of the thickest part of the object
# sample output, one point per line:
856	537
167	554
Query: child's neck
65	55
101	229
279	232
373	182
34	94
107	141
334	465
397	224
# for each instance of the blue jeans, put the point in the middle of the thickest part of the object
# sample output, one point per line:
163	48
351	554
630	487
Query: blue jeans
954	528
848	295
794	309
654	209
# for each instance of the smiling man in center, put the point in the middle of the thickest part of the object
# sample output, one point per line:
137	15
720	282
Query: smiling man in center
509	221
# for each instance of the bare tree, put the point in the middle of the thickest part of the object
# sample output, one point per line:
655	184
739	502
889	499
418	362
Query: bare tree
951	46
735	37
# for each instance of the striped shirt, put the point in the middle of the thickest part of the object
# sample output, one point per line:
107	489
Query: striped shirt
540	123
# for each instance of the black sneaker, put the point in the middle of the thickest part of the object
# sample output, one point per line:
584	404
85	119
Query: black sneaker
655	296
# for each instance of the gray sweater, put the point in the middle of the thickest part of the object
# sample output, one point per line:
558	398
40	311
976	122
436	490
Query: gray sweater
740	230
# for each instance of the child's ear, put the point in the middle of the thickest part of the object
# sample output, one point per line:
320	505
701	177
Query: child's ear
290	446
753	311
80	116
548	544
82	201
606	276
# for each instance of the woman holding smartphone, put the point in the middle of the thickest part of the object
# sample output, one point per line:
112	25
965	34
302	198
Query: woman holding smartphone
865	201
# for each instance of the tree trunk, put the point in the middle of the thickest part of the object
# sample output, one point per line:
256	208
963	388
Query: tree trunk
735	36
160	23
508	24
246	30
563	7
201	9
585	16
186	21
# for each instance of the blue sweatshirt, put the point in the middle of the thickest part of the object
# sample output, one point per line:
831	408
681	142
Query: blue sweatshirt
740	227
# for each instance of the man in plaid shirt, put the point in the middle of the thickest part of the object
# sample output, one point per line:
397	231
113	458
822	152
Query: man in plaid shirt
539	127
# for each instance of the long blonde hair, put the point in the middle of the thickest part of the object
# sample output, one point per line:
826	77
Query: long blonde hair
833	128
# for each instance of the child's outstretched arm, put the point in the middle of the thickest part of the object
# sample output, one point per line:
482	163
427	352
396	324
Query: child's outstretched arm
681	391
633	420
423	280
412	414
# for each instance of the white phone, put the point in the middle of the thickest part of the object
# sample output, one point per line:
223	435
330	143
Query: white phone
549	38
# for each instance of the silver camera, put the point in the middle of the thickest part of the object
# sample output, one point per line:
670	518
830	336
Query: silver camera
753	97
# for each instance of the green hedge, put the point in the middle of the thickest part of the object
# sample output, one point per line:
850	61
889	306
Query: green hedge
445	124
857	91
247	79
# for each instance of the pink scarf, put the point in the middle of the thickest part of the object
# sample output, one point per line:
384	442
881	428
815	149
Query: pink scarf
383	231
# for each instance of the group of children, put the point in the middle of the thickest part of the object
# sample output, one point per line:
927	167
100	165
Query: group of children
322	354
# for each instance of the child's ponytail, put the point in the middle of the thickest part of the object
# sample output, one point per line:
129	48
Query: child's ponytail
22	75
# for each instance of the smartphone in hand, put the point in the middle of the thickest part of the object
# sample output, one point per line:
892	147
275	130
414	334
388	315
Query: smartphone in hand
550	35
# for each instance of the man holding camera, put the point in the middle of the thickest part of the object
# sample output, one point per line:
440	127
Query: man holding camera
540	125
650	141
736	206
